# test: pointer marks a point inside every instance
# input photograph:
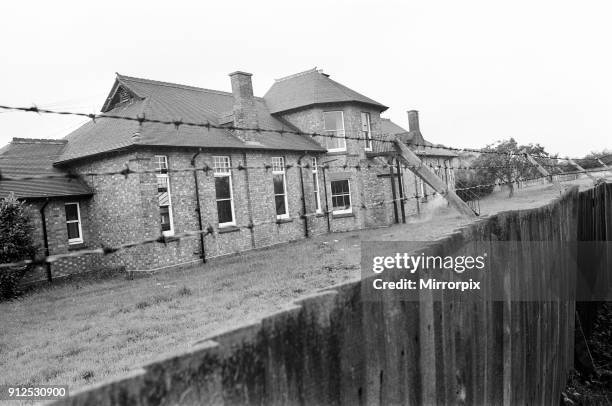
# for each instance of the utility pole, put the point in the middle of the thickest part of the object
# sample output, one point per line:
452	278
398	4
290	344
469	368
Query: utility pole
605	166
580	168
540	168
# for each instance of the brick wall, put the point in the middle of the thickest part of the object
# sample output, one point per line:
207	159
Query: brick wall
55	220
366	186
125	210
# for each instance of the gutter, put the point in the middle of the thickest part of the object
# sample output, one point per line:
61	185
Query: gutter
198	208
45	238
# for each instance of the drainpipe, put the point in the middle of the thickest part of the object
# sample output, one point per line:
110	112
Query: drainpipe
416	194
249	205
45	238
198	208
299	161
325	188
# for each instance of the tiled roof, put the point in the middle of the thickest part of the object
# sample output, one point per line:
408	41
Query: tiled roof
391	130
311	88
31	157
168	101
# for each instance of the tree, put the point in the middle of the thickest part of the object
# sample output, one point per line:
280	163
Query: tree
15	243
592	159
504	163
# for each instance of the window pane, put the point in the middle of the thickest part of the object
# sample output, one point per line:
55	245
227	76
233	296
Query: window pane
279	185
73	230
346	201
341	202
333	120
221	164
222	187
224	211
280	205
71	212
365	121
162	184
161	162
164	213
163	199
337	202
278	164
332	143
339	187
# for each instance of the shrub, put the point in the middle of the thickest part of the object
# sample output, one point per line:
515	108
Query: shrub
469	187
15	244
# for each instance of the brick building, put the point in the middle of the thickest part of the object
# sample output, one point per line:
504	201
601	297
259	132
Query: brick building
252	188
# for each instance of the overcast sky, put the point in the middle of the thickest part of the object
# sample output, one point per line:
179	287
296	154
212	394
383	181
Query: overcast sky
478	71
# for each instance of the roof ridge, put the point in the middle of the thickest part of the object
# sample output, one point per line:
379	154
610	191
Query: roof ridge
178	85
295	75
171	84
51	141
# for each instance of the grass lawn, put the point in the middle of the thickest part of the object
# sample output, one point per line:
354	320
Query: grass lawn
84	332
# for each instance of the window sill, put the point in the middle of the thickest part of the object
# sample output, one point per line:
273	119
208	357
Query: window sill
228	229
343	215
76	246
283	221
332	153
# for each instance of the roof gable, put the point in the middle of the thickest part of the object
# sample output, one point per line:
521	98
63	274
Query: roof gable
170	101
309	88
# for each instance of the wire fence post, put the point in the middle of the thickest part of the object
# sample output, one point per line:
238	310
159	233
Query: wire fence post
432	179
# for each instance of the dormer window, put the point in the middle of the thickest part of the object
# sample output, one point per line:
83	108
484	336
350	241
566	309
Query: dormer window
122	96
333	124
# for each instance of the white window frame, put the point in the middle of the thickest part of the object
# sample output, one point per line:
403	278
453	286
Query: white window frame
339	133
221	169
316	188
368	138
343	211
78	220
161	162
278	168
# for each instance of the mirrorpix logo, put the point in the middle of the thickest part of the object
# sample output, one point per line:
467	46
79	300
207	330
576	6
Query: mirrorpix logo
411	264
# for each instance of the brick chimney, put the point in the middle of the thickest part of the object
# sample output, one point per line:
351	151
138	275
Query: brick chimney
413	127
413	120
244	110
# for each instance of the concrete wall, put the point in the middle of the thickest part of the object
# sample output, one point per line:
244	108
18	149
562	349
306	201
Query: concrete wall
335	348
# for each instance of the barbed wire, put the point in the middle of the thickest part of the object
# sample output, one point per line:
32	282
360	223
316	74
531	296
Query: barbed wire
522	179
177	123
211	231
207	169
208	231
